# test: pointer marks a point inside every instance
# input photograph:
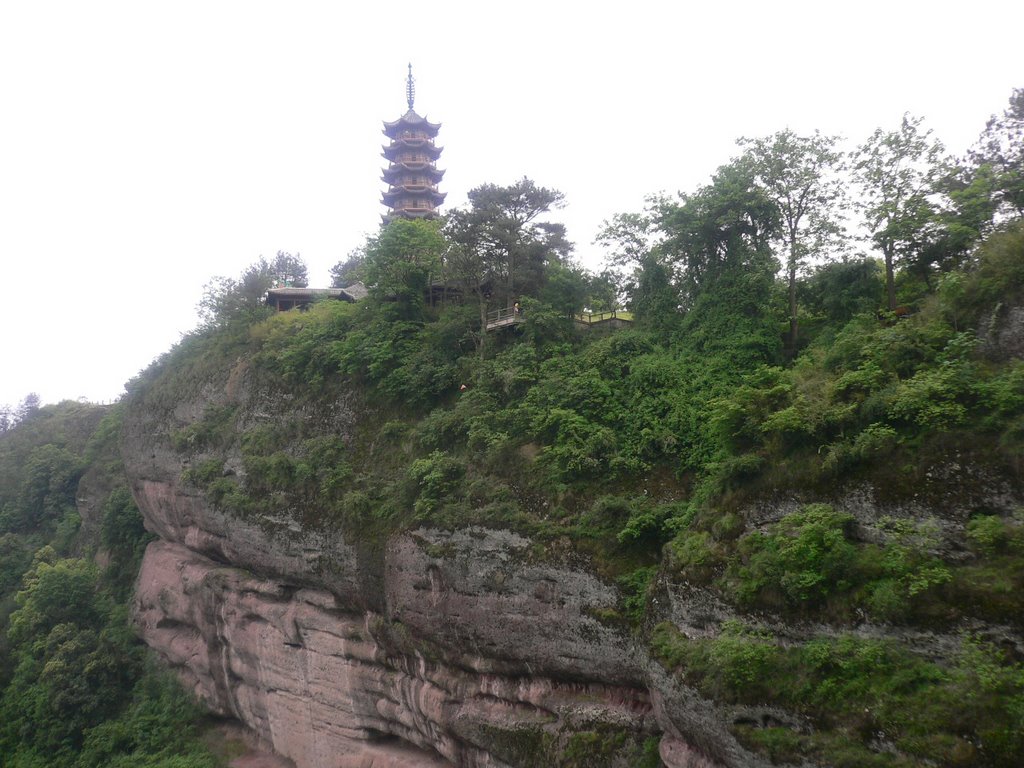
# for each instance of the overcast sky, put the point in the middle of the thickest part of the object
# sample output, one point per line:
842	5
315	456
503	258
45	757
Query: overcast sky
146	147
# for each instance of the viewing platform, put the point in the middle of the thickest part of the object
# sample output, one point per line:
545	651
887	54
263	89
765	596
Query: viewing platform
500	318
614	318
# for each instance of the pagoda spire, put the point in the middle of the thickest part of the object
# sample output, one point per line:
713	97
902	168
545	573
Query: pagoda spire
412	175
410	88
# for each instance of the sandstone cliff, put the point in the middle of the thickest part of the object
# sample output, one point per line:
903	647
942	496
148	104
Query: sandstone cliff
438	648
432	647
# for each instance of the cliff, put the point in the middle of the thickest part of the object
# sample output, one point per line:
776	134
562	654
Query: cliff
422	646
435	648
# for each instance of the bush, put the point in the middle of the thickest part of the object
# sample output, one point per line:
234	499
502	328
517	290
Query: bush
436	478
805	558
992	535
853	688
696	554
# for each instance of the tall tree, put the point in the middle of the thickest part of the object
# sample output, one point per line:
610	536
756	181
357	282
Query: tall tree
719	239
348	271
634	251
401	261
725	226
800	174
965	212
290	271
499	246
503	229
227	301
897	173
1001	147
644	275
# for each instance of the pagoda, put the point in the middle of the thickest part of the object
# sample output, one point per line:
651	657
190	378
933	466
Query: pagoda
411	175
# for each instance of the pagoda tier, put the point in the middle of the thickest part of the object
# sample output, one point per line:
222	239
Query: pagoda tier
411	175
424	148
394	174
416	196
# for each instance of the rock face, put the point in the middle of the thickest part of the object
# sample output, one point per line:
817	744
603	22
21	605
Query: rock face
1002	332
331	685
432	648
440	648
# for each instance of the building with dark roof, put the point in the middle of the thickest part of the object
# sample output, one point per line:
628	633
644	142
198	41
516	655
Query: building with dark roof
283	299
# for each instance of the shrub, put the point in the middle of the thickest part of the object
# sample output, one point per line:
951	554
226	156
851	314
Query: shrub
939	397
214	430
993	535
635	586
805	558
696	554
436	478
647	522
873	442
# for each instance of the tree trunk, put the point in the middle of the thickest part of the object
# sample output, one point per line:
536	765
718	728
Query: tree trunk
482	335
793	329
890	280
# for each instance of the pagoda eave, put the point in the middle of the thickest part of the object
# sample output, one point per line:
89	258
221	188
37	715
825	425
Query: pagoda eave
398	147
394	174
390	197
411	119
389	217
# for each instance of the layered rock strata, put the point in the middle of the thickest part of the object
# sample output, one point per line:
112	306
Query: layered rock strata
431	648
457	670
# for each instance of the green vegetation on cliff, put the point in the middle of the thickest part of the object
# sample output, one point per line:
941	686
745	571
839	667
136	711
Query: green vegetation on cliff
834	456
651	448
77	688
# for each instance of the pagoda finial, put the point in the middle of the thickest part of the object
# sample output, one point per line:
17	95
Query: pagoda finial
410	88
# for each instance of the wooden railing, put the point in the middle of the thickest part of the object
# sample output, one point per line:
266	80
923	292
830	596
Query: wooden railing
499	318
591	318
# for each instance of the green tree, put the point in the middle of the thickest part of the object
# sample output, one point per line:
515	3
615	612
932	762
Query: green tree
964	212
75	658
1001	148
349	270
46	492
897	172
566	288
227	301
839	290
500	247
726	226
800	174
502	229
28	407
643	275
15	557
124	536
290	271
55	592
401	262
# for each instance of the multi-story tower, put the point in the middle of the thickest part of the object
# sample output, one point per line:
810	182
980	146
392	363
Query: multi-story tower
412	176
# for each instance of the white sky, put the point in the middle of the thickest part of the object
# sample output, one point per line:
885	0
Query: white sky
146	147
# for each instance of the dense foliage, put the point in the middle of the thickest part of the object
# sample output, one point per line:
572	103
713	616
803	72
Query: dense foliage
77	688
763	365
644	446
